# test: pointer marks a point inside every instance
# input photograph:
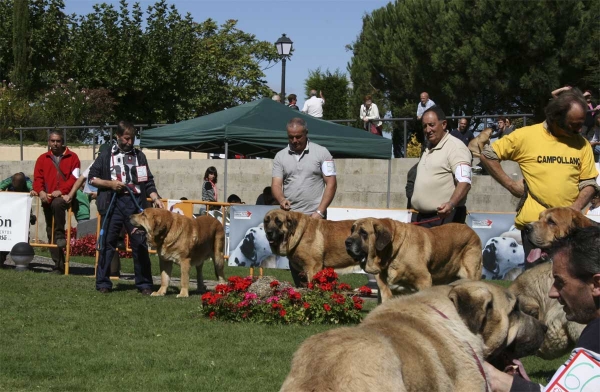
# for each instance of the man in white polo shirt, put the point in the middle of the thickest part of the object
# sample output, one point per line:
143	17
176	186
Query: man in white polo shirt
304	177
443	174
314	106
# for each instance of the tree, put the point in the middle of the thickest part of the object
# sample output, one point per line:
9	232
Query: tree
20	71
335	89
477	57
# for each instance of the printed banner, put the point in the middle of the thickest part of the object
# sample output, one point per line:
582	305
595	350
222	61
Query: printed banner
501	242
249	244
15	209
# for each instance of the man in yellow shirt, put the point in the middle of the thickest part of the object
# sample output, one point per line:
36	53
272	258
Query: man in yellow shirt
556	161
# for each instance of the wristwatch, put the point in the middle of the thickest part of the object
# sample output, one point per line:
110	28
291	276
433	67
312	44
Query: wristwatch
320	213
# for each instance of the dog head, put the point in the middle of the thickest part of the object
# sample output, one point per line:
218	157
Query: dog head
155	221
279	226
555	223
477	144
252	249
366	244
493	313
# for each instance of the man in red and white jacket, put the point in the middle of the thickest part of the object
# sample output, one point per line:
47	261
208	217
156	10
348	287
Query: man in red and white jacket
53	177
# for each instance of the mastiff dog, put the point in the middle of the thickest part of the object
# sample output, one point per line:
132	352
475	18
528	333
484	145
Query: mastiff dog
553	223
531	289
309	244
407	257
185	241
434	340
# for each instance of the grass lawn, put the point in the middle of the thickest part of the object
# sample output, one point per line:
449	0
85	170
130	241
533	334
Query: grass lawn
59	334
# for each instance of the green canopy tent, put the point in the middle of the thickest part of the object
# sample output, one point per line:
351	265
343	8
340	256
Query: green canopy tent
258	129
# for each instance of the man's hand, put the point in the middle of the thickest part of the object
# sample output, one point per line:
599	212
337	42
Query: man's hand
158	203
316	215
445	209
33	193
56	194
44	197
67	198
285	205
117	186
499	381
517	188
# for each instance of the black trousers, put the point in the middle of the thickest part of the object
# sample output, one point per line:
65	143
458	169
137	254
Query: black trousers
56	210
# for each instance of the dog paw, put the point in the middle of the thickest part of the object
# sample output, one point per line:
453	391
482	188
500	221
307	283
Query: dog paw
157	294
183	295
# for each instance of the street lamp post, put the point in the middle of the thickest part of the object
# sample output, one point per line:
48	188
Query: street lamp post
284	48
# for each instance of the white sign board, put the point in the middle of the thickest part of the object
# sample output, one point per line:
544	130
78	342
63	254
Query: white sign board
581	375
337	213
14	219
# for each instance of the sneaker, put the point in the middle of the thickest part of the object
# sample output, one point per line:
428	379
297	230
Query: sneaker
146	292
61	243
104	290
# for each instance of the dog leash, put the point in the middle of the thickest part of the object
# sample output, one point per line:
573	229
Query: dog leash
100	244
473	354
426	221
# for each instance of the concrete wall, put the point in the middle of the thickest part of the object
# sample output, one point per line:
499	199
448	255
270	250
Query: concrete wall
361	182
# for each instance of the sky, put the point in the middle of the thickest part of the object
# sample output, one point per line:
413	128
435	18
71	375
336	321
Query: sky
320	29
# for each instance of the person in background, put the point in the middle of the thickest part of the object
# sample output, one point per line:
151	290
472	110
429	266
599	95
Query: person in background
509	127
463	132
55	173
209	187
425	104
266	198
368	113
234	199
18	182
292	100
276	98
500	128
314	106
592	111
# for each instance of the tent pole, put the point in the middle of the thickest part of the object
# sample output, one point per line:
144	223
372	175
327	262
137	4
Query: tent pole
389	182
226	158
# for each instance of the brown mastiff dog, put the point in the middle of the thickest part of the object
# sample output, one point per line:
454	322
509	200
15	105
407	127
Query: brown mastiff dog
553	223
310	244
531	289
476	144
409	257
185	241
434	340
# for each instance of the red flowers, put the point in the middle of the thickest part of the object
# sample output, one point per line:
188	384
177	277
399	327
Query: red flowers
365	291
323	303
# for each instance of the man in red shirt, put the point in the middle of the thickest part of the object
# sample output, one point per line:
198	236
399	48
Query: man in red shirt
53	177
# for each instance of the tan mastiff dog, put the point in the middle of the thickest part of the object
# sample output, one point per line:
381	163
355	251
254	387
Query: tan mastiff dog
531	289
184	241
434	340
553	223
310	244
476	144
409	257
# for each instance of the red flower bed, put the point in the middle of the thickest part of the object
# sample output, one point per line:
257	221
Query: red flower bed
322	303
86	245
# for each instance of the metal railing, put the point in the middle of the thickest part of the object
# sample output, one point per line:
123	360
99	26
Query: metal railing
98	132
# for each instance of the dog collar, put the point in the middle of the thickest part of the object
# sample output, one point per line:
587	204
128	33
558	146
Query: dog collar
473	354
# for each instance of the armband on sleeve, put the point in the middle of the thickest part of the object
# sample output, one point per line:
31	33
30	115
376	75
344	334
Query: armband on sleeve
463	173
328	168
